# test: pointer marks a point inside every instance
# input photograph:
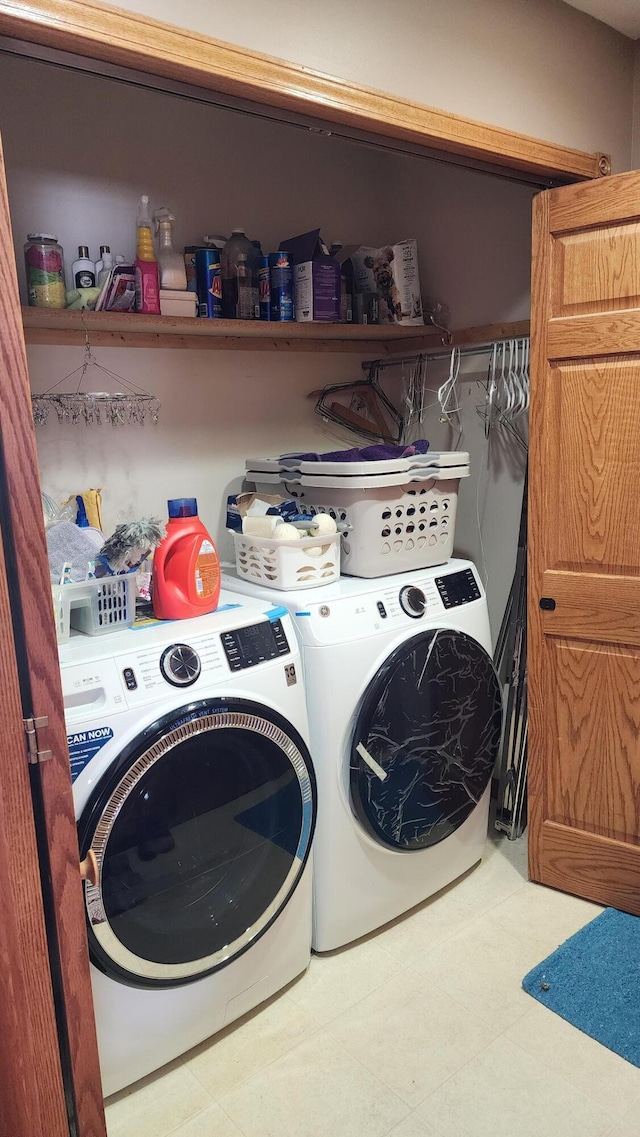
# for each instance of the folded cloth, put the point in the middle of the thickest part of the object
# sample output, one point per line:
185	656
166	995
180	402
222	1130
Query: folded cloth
378	453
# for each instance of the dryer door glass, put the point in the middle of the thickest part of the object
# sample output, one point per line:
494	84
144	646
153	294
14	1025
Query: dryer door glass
200	836
425	740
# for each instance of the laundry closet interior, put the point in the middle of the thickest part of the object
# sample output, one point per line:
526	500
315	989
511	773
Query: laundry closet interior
83	138
217	168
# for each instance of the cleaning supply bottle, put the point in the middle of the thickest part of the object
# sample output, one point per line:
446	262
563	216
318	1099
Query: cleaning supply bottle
147	280
83	270
170	262
186	568
104	265
240	295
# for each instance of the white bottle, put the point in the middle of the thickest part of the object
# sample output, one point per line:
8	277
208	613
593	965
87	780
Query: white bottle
83	270
171	267
106	266
100	263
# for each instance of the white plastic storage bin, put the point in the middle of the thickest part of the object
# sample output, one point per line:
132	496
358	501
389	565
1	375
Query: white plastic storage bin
94	606
288	564
395	522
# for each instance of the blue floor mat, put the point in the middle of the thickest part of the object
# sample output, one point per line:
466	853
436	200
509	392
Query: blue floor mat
593	981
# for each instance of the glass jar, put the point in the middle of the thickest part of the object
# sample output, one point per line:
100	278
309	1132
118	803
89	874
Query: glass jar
44	260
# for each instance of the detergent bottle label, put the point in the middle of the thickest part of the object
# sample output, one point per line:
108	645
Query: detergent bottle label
207	570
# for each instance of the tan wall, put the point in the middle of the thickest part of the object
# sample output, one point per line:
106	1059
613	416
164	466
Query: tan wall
536	66
635	153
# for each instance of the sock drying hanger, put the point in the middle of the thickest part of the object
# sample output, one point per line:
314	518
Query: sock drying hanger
124	407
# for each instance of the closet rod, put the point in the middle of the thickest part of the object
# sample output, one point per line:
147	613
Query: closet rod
465	352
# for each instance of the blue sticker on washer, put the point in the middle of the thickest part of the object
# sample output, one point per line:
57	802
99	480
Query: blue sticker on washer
274	614
302	613
84	745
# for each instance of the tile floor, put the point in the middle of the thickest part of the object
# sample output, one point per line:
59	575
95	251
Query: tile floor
420	1030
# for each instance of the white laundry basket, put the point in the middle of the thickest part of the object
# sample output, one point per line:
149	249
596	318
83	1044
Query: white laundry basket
394	520
307	563
94	606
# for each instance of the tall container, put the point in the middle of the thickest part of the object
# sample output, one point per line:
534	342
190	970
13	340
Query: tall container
45	271
147	279
171	265
240	296
281	278
209	282
186	568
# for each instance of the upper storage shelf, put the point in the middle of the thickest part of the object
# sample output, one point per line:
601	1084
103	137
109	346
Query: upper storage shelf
128	329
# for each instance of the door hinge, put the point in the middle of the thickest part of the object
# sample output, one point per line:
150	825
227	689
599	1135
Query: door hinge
31	728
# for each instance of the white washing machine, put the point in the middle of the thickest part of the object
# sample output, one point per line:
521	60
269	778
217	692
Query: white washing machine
195	792
405	716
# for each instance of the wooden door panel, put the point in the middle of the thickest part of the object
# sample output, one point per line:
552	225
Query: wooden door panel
592	606
597	270
594	411
597	868
595	334
584	539
588	204
594	776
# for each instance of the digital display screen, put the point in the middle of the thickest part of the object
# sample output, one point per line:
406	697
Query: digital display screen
458	588
256	643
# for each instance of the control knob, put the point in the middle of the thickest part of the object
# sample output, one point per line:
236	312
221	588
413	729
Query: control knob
413	601
180	665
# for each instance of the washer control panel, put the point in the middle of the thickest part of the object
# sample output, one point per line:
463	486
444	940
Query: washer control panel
246	647
458	588
180	665
413	601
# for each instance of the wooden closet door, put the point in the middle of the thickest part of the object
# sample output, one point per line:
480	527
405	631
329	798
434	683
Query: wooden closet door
584	539
49	957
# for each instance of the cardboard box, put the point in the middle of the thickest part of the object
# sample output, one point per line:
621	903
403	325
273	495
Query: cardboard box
316	278
392	272
177	303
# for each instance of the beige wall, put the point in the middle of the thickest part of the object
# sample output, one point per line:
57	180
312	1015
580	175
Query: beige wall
635	153
536	66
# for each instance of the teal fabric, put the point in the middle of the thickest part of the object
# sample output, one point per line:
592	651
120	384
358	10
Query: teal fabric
593	981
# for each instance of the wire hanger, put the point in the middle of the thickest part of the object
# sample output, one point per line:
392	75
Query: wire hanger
369	412
448	394
120	407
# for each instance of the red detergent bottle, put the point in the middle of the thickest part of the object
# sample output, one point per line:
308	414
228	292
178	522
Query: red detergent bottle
186	567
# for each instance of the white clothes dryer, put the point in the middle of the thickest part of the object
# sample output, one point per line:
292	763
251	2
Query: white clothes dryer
405	716
195	793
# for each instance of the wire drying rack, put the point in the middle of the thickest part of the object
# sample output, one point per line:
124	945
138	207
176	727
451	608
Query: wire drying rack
132	406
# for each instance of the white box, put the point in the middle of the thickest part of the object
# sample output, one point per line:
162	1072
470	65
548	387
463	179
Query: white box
177	303
392	272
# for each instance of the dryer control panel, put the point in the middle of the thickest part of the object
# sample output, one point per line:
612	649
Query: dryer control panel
246	647
457	588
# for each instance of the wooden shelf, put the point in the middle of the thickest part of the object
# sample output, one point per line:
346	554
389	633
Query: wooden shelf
127	329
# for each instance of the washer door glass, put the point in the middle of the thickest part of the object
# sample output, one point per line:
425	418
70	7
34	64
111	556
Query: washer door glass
200	837
425	740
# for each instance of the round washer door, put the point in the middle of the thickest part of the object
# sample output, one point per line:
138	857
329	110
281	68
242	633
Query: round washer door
201	832
425	740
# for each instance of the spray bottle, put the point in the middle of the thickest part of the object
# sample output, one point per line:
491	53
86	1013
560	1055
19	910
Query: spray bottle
147	280
170	262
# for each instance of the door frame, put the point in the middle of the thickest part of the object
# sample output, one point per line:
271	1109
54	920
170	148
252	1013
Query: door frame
98	31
